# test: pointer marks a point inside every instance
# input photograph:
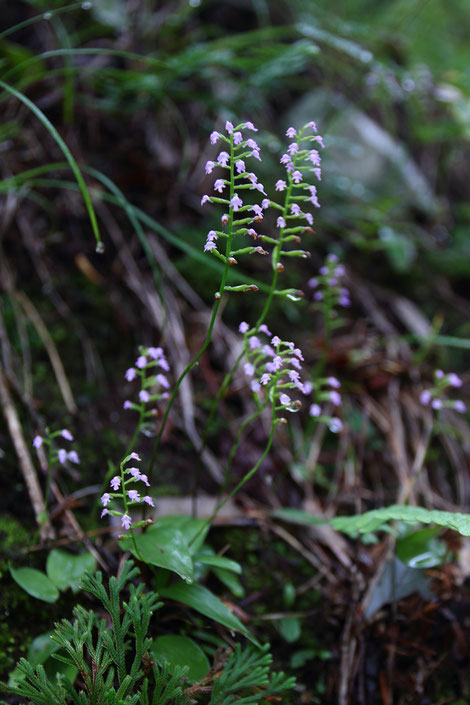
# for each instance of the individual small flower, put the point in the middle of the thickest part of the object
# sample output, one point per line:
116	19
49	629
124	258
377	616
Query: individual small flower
280	222
333	382
214	137
264	329
212	235
281	185
293	375
425	397
250	126
135	472
320	141
275	340
224	219
297	177
126	522
291	132
66	434
285	159
313	196
460	406
141	362
293	148
144	396
249	369
295	209
209	167
229	127
439	374
219	185
335	398
104	512
236	202
285	399
314	157
258	211
335	425
145	480
62	455
209	245
315	410
243	327
148	500
454	380
133	495
436	404
162	381
115	483
105	499
134	456
223	158
130	374
265	203
307	388
265	378
240	166
277	362
313	126
204	199
37	441
255	386
72	455
127	404
254	342
237	138
267	349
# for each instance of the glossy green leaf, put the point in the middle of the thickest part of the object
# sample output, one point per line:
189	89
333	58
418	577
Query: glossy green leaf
218	562
181	651
65	569
230	580
193	530
164	547
421	549
35	583
205	602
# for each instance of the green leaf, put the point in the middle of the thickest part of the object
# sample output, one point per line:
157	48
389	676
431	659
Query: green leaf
218	562
371	521
290	628
421	549
230	580
188	526
164	547
181	651
66	569
205	602
35	583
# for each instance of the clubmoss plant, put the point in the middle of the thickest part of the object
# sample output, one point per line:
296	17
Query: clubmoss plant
116	666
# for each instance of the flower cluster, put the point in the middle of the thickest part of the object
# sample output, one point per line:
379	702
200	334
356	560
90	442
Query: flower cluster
326	390
57	454
274	367
239	179
434	396
148	368
329	291
300	160
121	486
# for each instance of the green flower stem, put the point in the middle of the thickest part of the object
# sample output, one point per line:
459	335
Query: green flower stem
235	445
243	481
215	310
126	508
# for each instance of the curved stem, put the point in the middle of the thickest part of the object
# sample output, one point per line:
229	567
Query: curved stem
243	481
215	310
235	445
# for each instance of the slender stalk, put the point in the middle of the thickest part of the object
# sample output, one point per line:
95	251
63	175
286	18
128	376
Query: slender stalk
215	310
243	481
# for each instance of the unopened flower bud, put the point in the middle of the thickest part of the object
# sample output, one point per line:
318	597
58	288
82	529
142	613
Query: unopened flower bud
224	219
232	260
217	296
279	267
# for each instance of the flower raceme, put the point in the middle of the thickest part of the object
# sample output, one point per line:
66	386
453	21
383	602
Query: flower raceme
435	398
274	369
123	489
327	285
149	368
301	161
56	454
